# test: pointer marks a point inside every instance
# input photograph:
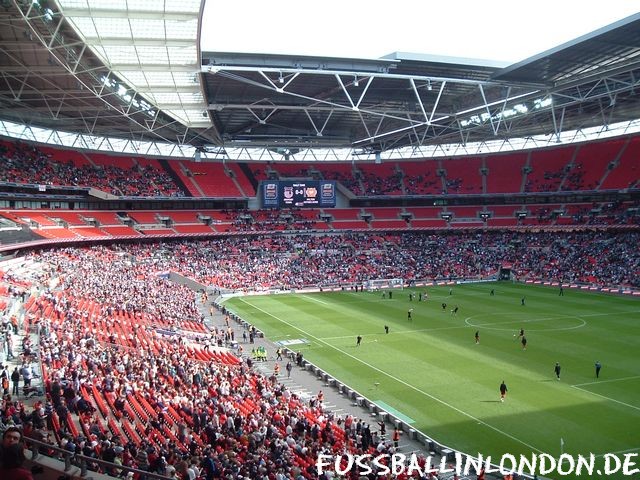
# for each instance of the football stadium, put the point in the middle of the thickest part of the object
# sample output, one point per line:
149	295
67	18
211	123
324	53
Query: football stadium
226	264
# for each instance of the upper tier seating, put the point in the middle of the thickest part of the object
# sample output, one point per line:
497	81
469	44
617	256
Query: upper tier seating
211	179
590	165
547	169
626	172
245	184
504	172
117	175
381	179
603	165
291	170
421	177
463	175
341	172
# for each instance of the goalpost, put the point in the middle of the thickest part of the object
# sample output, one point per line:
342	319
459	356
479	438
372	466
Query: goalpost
382	283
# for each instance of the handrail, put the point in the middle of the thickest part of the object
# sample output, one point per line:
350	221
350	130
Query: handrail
82	461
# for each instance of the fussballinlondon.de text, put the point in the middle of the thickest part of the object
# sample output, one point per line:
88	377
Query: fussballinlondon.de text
540	464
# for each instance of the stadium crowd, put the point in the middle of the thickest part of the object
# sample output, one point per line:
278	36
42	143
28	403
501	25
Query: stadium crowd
374	184
126	355
23	163
108	356
26	163
423	184
294	261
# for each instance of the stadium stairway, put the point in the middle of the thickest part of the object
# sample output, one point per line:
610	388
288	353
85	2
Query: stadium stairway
36	392
249	174
174	176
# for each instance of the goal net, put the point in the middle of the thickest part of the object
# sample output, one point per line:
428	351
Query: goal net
382	283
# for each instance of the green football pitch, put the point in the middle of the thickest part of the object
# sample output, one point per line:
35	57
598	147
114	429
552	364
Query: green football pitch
430	371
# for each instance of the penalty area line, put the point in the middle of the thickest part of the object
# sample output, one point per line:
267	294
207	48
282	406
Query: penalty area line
606	381
606	398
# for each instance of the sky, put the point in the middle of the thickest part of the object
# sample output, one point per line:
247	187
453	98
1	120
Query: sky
498	30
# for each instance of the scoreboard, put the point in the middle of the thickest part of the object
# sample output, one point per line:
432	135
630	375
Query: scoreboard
298	193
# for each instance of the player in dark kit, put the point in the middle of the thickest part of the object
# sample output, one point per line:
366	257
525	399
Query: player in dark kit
358	340
409	317
386	329
503	391
598	367
557	369
477	336
524	342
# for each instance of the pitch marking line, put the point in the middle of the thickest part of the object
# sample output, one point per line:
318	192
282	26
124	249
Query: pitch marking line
606	381
489	326
461	412
507	322
390	333
606	398
637	449
467	325
309	297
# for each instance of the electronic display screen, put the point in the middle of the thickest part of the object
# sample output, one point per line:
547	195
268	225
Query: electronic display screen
299	193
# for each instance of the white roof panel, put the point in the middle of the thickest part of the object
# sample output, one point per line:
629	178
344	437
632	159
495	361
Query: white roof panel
113	27
152	55
160	79
182	55
185	79
135	37
192	6
175	98
146	5
121	55
85	25
108	4
74	4
195	116
182	28
148	28
135	77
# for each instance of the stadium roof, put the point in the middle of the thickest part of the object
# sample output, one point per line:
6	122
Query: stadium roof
133	70
150	46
